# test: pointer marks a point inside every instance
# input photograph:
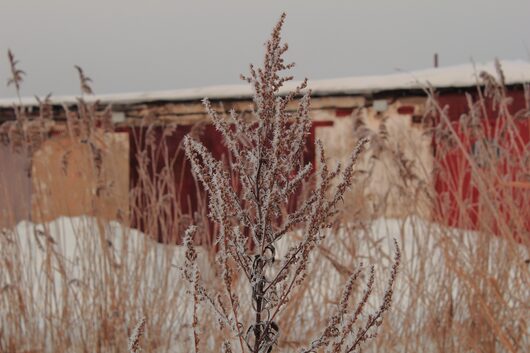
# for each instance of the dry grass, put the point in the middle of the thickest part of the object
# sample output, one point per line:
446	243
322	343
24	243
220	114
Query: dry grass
465	290
85	289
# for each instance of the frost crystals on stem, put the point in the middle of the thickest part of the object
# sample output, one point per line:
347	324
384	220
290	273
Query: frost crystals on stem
267	163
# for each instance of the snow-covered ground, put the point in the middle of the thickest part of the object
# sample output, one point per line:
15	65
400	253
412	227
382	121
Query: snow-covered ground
77	253
70	268
69	250
444	271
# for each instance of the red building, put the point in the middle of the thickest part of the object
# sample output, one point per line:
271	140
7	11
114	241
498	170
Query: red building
339	107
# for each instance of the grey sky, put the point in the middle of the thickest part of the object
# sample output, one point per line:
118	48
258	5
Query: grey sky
141	45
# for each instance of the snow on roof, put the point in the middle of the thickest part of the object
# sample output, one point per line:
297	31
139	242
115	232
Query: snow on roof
515	71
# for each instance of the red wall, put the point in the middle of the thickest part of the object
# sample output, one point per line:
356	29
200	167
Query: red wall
188	194
459	203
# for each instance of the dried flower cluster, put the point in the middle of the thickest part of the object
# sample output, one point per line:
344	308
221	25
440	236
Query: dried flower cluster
249	204
16	74
84	81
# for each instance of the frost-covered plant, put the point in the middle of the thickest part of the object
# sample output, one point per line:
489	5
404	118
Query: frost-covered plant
249	205
134	339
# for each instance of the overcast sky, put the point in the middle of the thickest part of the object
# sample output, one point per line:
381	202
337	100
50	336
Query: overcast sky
143	45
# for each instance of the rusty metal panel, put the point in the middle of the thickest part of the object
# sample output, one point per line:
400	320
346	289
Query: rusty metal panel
74	178
15	187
